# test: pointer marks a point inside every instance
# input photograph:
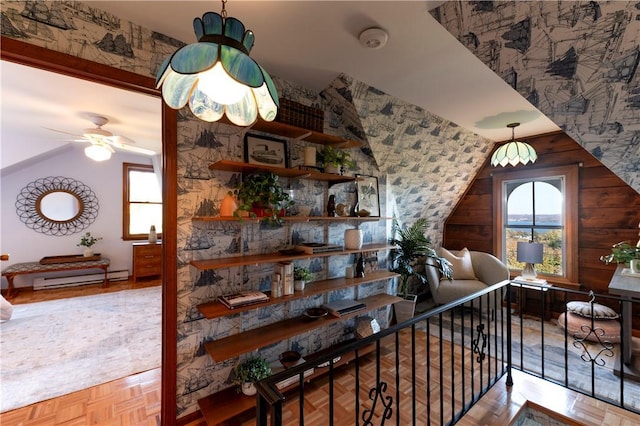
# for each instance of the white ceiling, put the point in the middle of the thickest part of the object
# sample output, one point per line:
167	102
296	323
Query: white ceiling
307	42
43	111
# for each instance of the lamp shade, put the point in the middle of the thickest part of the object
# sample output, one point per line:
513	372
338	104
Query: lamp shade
530	252
513	152
216	75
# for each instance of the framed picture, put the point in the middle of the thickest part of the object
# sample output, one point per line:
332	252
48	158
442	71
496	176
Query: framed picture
265	151
368	195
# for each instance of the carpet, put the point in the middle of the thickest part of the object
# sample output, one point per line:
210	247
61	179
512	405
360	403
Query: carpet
529	357
53	348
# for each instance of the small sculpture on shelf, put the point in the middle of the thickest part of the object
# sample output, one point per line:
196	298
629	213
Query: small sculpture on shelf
331	206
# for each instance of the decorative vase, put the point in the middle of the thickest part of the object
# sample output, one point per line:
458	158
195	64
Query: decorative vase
353	239
88	252
228	206
153	236
299	285
248	389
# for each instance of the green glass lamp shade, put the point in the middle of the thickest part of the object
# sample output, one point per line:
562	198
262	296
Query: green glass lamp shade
513	152
216	75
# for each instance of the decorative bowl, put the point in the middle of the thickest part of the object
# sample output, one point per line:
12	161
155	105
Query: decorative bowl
289	358
315	313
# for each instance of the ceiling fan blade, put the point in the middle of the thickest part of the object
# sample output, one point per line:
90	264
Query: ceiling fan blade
62	131
117	141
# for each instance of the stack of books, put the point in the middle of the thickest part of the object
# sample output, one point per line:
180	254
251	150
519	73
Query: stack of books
531	283
243	298
276	367
313	248
338	308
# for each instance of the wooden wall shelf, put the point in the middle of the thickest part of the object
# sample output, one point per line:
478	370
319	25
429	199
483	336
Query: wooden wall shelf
216	309
294	132
239	167
228	403
240	343
255	259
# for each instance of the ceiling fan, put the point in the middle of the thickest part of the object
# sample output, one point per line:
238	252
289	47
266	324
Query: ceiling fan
102	142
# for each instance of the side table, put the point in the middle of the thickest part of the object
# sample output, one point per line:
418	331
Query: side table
526	284
629	288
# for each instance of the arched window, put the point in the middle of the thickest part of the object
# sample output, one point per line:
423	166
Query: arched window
539	205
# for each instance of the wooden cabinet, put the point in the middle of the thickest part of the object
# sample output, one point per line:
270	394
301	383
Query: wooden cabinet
147	260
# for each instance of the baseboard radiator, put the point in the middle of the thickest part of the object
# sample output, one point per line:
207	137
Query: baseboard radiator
75	280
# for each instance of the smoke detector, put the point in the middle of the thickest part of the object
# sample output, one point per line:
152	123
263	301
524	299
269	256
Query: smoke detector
373	38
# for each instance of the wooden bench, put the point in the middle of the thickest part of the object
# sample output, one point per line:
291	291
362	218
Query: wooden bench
37	268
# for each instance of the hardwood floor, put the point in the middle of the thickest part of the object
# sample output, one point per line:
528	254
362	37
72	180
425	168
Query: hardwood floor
135	400
28	295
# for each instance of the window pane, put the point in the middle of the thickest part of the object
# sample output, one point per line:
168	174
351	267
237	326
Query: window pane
513	236
548	203
142	216
144	187
520	205
552	252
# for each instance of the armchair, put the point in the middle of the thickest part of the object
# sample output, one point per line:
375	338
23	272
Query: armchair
486	269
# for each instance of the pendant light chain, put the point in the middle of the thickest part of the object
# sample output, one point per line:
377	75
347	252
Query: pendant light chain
224	11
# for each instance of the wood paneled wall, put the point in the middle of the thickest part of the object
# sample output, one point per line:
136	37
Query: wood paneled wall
609	209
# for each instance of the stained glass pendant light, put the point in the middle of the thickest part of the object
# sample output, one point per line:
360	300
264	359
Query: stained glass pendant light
513	152
216	75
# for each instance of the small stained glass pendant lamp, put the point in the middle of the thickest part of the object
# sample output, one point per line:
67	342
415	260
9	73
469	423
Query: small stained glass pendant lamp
513	152
216	75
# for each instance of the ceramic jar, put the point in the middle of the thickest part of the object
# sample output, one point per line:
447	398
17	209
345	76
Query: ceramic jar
353	239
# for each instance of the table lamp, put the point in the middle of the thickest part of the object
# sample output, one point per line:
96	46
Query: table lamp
530	253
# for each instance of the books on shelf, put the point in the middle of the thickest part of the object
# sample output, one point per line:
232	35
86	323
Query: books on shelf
277	367
531	283
312	248
337	308
243	298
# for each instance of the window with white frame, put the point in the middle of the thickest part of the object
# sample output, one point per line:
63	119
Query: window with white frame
538	205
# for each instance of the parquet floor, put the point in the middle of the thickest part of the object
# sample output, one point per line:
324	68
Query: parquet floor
135	400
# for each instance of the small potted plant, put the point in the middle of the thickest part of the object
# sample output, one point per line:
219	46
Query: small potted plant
261	195
622	252
88	241
335	160
250	371
301	276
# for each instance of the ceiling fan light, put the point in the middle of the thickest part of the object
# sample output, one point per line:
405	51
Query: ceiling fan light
97	152
216	75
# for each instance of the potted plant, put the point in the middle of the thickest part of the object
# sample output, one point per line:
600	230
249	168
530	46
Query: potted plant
301	276
335	160
261	195
250	371
88	241
412	246
622	252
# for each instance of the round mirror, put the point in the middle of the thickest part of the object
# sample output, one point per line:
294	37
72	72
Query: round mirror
57	205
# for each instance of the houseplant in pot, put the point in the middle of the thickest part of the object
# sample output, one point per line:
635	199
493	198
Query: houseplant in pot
301	276
261	195
622	252
88	241
335	160
250	371
407	259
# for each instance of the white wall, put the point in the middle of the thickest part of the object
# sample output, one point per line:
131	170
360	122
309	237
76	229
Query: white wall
105	179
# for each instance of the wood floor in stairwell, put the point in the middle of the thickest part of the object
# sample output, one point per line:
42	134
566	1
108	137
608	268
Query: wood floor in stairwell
135	400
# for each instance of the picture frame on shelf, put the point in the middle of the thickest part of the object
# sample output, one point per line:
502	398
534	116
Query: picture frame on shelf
265	151
368	195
